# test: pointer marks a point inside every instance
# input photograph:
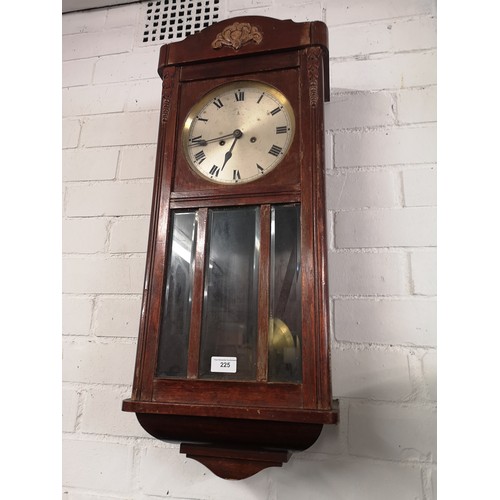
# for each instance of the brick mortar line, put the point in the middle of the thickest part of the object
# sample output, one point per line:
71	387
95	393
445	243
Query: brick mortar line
385	128
350	346
385	209
101	294
82	386
97	295
378	297
112	113
119	82
104	340
110	182
104	256
342	91
385	166
409	461
378	250
342	456
382	168
117	439
413	17
115	218
396	126
368	56
347	92
396	206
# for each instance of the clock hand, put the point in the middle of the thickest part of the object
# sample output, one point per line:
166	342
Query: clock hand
203	142
237	135
229	154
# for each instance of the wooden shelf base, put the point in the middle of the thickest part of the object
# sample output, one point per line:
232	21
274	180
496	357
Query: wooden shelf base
234	463
232	448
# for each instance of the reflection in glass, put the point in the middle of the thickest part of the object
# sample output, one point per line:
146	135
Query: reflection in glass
285	323
174	333
229	324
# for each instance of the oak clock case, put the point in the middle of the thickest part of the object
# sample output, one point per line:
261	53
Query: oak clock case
233	351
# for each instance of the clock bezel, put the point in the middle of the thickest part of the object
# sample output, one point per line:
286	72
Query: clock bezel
225	88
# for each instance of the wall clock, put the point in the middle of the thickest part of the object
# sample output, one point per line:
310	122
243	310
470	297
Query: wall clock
233	349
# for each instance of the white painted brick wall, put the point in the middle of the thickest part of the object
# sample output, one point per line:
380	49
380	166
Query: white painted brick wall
108	198
103	414
371	374
392	432
89	164
92	362
368	273
117	316
86	235
350	190
381	200
137	162
386	321
129	235
77	314
407	227
98	465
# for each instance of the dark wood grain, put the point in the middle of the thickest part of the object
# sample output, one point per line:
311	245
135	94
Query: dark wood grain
263	311
197	298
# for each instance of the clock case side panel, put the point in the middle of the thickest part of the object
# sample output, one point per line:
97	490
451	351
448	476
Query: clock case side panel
317	377
159	220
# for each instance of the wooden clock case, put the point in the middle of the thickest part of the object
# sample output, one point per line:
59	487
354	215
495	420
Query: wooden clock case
237	428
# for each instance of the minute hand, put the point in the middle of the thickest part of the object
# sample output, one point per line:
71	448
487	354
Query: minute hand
203	142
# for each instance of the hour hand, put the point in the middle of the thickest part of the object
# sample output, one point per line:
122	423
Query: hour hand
237	134
228	155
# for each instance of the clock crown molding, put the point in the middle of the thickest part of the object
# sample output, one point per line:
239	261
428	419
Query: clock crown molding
252	35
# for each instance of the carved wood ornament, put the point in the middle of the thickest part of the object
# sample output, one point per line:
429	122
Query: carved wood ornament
166	95
313	62
237	35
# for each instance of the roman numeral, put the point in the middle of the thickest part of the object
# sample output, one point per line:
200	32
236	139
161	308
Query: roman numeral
261	170
215	170
281	130
260	98
218	103
240	95
196	140
275	110
275	150
200	157
236	175
201	119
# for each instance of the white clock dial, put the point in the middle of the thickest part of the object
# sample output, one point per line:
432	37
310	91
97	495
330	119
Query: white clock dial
238	132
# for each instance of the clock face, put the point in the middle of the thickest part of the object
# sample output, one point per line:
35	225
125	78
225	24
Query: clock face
238	132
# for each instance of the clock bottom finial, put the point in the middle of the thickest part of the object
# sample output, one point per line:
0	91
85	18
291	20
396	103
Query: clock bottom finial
234	463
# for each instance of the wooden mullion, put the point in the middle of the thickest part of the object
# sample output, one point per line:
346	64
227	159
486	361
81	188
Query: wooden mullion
263	293
197	299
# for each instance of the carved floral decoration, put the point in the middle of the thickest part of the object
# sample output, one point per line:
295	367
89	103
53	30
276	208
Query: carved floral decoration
237	35
313	61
